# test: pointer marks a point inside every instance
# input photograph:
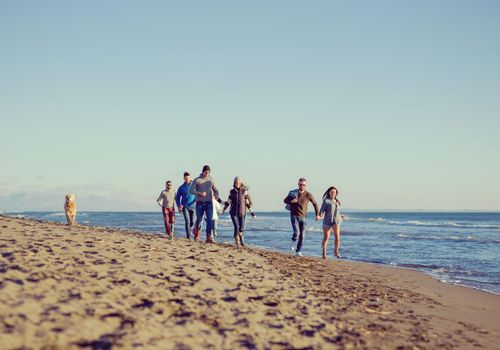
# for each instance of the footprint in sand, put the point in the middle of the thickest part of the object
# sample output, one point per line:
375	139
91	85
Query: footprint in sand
145	303
229	299
121	282
247	343
242	322
272	303
275	325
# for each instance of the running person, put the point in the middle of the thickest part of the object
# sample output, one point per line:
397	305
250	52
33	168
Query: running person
186	203
331	219
204	188
298	209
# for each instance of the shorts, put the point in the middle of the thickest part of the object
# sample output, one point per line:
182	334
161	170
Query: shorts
329	226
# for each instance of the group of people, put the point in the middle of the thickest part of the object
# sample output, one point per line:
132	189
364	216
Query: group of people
297	201
201	197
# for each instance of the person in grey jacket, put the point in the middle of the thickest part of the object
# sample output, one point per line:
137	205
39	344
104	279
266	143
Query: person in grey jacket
331	219
204	188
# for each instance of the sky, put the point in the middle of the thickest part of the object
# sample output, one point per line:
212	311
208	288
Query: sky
396	103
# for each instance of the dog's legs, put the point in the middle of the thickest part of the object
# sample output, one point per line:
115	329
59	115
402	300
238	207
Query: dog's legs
68	219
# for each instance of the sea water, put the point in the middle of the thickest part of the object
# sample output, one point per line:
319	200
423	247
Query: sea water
460	248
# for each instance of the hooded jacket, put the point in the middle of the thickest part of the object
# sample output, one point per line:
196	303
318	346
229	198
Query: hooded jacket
238	199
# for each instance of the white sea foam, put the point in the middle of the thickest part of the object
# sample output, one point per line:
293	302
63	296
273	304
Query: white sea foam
425	237
56	214
435	224
377	219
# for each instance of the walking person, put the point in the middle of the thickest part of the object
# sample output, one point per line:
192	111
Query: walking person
166	200
239	200
298	201
331	220
205	190
186	203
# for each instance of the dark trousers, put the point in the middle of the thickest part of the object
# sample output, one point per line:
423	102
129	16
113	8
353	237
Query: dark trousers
301	223
188	220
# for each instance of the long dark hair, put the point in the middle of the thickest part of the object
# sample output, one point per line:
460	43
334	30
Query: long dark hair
327	194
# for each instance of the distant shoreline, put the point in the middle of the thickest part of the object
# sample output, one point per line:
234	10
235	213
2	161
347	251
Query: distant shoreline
5	212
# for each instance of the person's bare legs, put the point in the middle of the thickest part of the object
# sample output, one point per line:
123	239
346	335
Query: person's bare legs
336	230
326	237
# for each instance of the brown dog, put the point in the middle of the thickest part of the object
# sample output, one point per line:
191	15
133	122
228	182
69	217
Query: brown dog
70	208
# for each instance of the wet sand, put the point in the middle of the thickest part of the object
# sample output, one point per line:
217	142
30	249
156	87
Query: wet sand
89	287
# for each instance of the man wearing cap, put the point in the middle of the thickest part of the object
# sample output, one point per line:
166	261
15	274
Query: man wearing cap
204	188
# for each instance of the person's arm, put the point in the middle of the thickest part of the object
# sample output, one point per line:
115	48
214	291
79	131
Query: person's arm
315	205
288	199
192	188
215	191
323	207
178	198
160	199
248	201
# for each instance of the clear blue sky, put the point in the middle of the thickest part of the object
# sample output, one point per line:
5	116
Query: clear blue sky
397	103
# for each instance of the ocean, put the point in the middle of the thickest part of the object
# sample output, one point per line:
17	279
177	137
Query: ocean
460	248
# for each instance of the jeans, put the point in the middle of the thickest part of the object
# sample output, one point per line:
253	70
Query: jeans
204	208
238	224
301	228
188	219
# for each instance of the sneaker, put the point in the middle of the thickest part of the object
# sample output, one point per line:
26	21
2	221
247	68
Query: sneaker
298	254
210	239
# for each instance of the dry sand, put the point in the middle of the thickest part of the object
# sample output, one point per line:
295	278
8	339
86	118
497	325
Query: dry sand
88	287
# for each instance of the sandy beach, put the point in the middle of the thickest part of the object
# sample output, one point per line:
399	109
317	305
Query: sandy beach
90	287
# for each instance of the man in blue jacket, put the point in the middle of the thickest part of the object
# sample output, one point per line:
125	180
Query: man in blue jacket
186	203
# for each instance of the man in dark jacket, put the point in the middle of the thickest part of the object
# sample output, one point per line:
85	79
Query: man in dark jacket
298	210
